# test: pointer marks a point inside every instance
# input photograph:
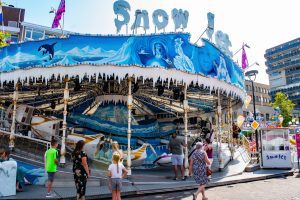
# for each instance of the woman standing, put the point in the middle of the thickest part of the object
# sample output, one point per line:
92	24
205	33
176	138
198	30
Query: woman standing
198	163
80	169
208	148
116	172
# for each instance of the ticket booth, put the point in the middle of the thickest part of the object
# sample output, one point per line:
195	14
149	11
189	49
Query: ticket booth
275	148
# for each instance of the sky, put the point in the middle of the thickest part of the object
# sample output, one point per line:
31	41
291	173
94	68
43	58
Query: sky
261	24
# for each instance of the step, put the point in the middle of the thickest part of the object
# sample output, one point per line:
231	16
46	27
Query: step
252	167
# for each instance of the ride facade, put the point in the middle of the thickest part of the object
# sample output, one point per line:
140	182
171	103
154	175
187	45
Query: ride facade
139	89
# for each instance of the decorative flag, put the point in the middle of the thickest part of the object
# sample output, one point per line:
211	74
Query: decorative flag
61	9
244	59
247	101
1	14
240	121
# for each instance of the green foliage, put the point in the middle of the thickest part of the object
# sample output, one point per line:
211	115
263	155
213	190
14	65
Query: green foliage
3	37
285	105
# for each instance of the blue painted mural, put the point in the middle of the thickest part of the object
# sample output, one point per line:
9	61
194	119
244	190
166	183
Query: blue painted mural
168	51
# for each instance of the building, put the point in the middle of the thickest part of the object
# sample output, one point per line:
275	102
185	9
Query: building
262	102
283	62
12	19
20	30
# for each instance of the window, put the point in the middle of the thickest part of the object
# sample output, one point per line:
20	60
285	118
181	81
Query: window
28	33
259	89
36	35
267	117
31	34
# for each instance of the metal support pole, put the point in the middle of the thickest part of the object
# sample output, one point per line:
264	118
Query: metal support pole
230	120
63	140
129	105
219	110
13	123
254	110
185	108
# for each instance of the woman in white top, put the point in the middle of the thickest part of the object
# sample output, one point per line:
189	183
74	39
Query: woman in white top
116	172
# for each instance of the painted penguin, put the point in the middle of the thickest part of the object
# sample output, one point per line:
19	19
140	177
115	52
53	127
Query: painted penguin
48	48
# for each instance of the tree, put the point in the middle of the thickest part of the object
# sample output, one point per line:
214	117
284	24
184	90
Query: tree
285	105
3	37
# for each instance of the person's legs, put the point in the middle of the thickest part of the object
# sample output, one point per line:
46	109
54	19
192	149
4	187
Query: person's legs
50	181
118	195
114	194
198	191
174	163
202	189
182	171
181	164
49	186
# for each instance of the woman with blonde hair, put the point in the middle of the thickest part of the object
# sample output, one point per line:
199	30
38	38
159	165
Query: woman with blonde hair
116	172
116	149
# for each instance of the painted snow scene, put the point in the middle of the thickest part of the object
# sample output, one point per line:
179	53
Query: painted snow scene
166	51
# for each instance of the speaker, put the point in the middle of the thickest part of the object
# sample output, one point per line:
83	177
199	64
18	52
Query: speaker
181	96
53	104
176	93
160	90
105	87
135	88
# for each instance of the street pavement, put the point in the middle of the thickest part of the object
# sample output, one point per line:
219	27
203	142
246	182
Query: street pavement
285	188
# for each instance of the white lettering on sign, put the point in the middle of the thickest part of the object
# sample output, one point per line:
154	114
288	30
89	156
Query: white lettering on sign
160	17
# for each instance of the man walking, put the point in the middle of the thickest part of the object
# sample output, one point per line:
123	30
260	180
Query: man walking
176	148
51	163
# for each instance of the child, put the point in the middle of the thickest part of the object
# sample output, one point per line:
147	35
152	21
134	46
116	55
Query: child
51	163
116	172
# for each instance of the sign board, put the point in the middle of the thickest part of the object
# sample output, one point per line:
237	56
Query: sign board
276	159
160	17
254	125
298	144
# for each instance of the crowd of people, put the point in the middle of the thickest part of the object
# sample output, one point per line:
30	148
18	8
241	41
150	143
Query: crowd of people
200	161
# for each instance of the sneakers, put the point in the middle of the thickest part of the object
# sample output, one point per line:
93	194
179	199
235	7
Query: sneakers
183	178
48	195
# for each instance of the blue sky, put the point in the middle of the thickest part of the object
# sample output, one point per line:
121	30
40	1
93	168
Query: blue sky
260	23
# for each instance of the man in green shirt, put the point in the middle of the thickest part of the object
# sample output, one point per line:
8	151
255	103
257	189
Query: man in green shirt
51	163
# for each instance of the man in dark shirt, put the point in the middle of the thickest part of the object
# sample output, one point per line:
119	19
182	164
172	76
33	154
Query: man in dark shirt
176	148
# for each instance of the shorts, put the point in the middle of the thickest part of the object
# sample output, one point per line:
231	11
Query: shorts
51	176
116	184
177	159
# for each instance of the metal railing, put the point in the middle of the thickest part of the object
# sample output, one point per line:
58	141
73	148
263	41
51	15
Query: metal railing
25	146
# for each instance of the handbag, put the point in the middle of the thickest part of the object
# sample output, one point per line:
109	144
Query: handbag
208	171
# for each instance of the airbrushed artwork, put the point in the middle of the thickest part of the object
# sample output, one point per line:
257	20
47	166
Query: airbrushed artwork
166	51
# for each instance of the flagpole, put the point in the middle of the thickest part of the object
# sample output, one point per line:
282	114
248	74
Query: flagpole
201	35
63	26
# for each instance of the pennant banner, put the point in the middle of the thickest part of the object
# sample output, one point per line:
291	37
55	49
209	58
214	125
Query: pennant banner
244	59
61	9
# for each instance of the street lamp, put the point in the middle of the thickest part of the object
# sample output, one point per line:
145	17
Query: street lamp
252	76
